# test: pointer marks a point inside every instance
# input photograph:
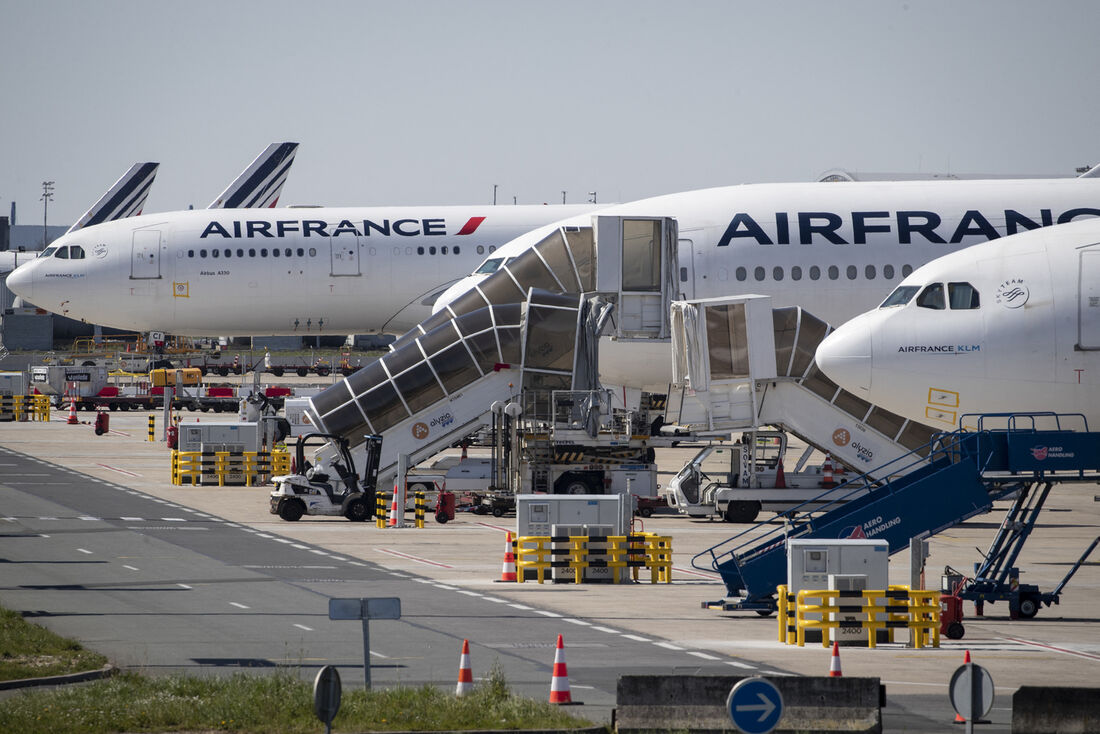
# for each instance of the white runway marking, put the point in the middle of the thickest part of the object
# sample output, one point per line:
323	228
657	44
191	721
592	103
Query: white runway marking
239	605
303	627
84	550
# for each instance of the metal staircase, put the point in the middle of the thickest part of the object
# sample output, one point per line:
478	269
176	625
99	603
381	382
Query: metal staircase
960	476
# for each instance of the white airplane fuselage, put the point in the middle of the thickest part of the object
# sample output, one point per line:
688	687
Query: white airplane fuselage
295	271
1029	341
833	248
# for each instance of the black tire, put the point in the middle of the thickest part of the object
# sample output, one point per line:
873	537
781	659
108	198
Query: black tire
302	372
217	407
412	489
356	510
440	518
765	612
113	406
498	512
1029	607
88	363
955	631
223	371
203	370
741	511
277	371
323	371
292	510
645	511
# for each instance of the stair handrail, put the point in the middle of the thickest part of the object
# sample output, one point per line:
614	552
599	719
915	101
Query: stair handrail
948	444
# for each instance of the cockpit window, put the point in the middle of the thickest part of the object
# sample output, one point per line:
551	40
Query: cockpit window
962	296
901	296
62	253
489	266
48	251
932	297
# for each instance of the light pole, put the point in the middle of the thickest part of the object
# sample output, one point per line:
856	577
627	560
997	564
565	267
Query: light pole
47	197
494	194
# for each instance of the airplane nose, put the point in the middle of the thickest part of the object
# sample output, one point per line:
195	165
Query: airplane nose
20	282
845	357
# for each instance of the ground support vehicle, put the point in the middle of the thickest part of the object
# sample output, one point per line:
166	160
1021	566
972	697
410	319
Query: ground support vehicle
330	488
497	504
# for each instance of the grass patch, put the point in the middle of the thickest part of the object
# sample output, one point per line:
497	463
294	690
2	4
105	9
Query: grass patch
30	651
268	703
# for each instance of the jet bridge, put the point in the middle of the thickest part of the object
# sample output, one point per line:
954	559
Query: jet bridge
739	364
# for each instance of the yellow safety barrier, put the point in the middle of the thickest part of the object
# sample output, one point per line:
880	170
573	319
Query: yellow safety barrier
635	551
226	468
421	508
381	507
24	408
896	607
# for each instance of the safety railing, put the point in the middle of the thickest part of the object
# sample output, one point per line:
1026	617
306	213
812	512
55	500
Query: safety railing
383	508
543	553
24	407
896	607
228	468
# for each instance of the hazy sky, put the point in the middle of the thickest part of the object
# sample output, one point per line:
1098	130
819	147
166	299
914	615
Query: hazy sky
434	102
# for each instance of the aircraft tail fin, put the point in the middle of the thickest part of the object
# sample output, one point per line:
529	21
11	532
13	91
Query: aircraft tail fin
261	183
125	199
1093	172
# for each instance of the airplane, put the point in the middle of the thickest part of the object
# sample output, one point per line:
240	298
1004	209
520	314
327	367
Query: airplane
288	271
125	198
260	184
831	249
1005	326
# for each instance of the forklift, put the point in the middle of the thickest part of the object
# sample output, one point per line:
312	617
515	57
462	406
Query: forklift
332	487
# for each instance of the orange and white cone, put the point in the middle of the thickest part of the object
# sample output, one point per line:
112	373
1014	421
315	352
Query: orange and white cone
73	420
827	473
834	662
508	568
559	683
959	717
465	674
393	508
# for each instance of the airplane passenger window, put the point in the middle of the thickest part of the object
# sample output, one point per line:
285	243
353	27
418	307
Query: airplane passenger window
489	266
815	272
274	252
796	272
287	252
76	252
228	252
62	253
48	251
431	250
455	249
313	251
869	272
834	272
301	252
492	248
214	253
190	253
853	272
420	251
962	296
777	273
741	273
443	250
758	273
888	272
202	253
932	297
901	296
240	252
481	249
906	270
263	252
252	252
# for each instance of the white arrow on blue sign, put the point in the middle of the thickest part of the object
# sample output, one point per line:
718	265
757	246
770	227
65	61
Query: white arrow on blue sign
755	706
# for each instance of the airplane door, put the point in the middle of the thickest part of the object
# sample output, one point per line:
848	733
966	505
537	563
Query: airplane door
1088	301
636	260
686	276
145	255
345	254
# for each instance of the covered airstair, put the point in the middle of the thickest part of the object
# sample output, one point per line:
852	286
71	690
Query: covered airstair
954	477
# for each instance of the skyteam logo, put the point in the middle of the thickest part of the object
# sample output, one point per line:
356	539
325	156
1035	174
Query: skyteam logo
1012	293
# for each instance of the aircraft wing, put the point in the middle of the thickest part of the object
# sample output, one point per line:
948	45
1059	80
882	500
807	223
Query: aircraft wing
261	183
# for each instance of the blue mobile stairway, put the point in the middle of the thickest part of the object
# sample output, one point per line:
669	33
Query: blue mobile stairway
961	475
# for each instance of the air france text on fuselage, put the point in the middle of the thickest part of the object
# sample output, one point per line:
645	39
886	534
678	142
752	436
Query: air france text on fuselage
252	228
854	227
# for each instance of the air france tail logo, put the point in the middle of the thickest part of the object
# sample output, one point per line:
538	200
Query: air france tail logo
1012	293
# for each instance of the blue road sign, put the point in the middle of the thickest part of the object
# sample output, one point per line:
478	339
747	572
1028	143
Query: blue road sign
755	706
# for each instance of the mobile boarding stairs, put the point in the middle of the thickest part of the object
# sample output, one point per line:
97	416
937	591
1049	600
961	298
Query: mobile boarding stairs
958	476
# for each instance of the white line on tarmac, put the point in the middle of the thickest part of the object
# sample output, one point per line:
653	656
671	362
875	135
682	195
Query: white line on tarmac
239	605
184	586
445	587
132	568
173	519
605	629
303	627
299	546
417	559
739	664
87	518
521	606
668	645
703	655
495	600
468	593
84	550
356	563
132	519
545	613
43	535
581	622
120	471
637	638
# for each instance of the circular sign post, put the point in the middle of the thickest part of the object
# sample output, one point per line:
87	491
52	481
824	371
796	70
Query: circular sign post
755	706
326	695
971	692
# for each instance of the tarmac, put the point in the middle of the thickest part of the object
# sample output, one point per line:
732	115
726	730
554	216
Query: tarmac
1059	647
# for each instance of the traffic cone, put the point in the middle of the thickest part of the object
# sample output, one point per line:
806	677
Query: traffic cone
465	674
508	568
559	683
838	474
73	421
827	473
834	662
780	477
959	717
393	508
